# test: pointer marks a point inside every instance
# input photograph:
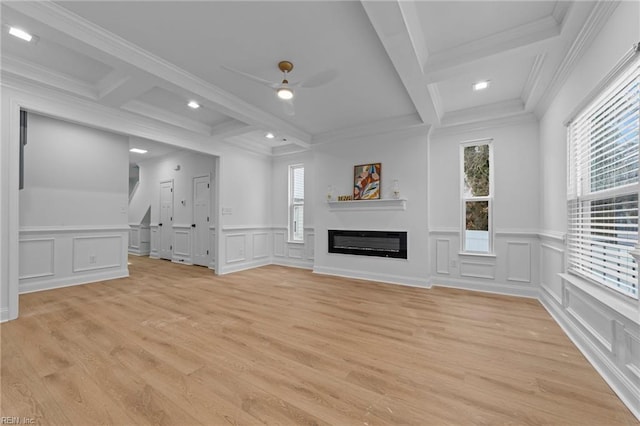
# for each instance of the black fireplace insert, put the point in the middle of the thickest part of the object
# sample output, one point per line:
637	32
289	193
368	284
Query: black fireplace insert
368	243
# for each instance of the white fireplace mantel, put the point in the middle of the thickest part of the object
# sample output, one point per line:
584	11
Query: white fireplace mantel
368	205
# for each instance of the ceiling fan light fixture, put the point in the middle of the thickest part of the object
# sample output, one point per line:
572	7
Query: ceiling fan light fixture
284	92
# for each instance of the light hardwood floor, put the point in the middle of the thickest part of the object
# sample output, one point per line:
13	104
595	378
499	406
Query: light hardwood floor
174	344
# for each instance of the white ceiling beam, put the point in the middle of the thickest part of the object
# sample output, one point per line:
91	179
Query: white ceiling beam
401	35
78	28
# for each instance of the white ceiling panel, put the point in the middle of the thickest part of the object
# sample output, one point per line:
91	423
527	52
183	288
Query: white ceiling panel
449	24
506	83
177	104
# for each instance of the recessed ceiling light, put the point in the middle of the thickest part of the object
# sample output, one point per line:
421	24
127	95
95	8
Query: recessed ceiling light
481	85
269	135
138	150
193	104
22	34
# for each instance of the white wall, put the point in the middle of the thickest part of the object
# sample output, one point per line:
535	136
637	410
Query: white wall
513	267
73	208
245	211
603	324
404	157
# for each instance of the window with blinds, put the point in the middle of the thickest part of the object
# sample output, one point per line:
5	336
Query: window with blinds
296	203
602	201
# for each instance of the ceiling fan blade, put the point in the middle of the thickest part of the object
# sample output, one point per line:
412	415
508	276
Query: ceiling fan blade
319	79
251	77
287	106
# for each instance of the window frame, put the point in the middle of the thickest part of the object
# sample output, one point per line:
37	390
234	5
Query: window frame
489	198
582	195
293	205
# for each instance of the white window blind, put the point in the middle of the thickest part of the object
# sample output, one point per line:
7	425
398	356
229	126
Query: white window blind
296	203
603	186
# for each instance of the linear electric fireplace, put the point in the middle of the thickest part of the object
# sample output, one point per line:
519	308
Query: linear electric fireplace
368	243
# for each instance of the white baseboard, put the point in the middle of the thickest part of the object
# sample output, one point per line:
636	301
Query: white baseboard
486	287
4	315
237	267
621	385
72	280
137	252
302	264
383	278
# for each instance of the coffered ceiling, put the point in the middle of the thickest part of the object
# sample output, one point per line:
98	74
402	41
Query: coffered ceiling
395	63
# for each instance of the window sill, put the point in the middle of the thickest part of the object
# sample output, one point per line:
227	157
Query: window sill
626	306
473	254
295	242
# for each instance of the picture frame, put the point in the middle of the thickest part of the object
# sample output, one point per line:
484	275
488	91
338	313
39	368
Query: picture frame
366	181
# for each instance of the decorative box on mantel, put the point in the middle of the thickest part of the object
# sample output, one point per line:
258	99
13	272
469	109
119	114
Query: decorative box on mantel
368	205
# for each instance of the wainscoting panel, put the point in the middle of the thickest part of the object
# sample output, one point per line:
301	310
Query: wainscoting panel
37	258
310	244
592	318
52	257
632	356
442	256
279	239
478	269
260	245
139	240
602	324
155	241
235	245
296	251
134	237
95	252
512	269
552	264
519	261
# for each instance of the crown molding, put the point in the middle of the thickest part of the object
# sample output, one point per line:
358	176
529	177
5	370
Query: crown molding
79	28
483	112
533	79
522	117
394	124
596	20
436	98
30	71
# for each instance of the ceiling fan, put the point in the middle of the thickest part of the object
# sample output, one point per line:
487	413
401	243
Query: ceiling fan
285	90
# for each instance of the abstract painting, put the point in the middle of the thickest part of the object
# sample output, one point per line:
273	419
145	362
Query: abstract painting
366	181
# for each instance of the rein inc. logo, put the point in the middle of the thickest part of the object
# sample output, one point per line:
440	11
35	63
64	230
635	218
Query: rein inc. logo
6	420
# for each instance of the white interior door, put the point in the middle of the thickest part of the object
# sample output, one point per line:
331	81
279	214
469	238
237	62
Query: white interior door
165	225
201	215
